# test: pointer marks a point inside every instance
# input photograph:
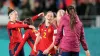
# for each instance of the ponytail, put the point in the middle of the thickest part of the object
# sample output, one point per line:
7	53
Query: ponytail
72	16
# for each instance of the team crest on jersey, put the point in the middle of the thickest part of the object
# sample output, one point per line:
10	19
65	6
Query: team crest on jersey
49	30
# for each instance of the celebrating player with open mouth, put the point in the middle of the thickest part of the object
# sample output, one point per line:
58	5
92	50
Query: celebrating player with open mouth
14	32
46	36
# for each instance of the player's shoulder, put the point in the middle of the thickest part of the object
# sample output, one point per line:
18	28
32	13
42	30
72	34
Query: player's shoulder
65	18
10	23
53	26
20	22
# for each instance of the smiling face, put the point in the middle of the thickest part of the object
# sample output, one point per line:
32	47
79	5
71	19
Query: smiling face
49	16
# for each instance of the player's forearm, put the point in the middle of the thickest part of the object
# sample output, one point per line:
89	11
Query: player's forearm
35	17
18	26
51	46
83	41
84	44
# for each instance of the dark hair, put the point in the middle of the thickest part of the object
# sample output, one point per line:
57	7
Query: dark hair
9	10
28	21
54	14
72	16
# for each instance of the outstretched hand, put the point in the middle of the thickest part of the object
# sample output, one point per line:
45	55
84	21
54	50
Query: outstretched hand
87	53
41	14
46	51
34	48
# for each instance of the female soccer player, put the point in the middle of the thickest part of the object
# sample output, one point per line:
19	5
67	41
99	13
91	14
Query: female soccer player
72	36
46	36
29	36
14	32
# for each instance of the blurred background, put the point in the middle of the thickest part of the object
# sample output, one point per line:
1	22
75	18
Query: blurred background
88	11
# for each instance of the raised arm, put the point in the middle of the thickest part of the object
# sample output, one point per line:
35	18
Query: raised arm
36	16
15	25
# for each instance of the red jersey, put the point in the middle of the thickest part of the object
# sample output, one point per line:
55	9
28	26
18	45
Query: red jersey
47	34
30	37
35	17
14	33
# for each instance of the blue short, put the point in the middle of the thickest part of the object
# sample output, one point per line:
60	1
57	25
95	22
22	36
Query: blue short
70	54
40	53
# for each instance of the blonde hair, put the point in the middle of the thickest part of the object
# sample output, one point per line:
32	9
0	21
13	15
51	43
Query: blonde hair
60	13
